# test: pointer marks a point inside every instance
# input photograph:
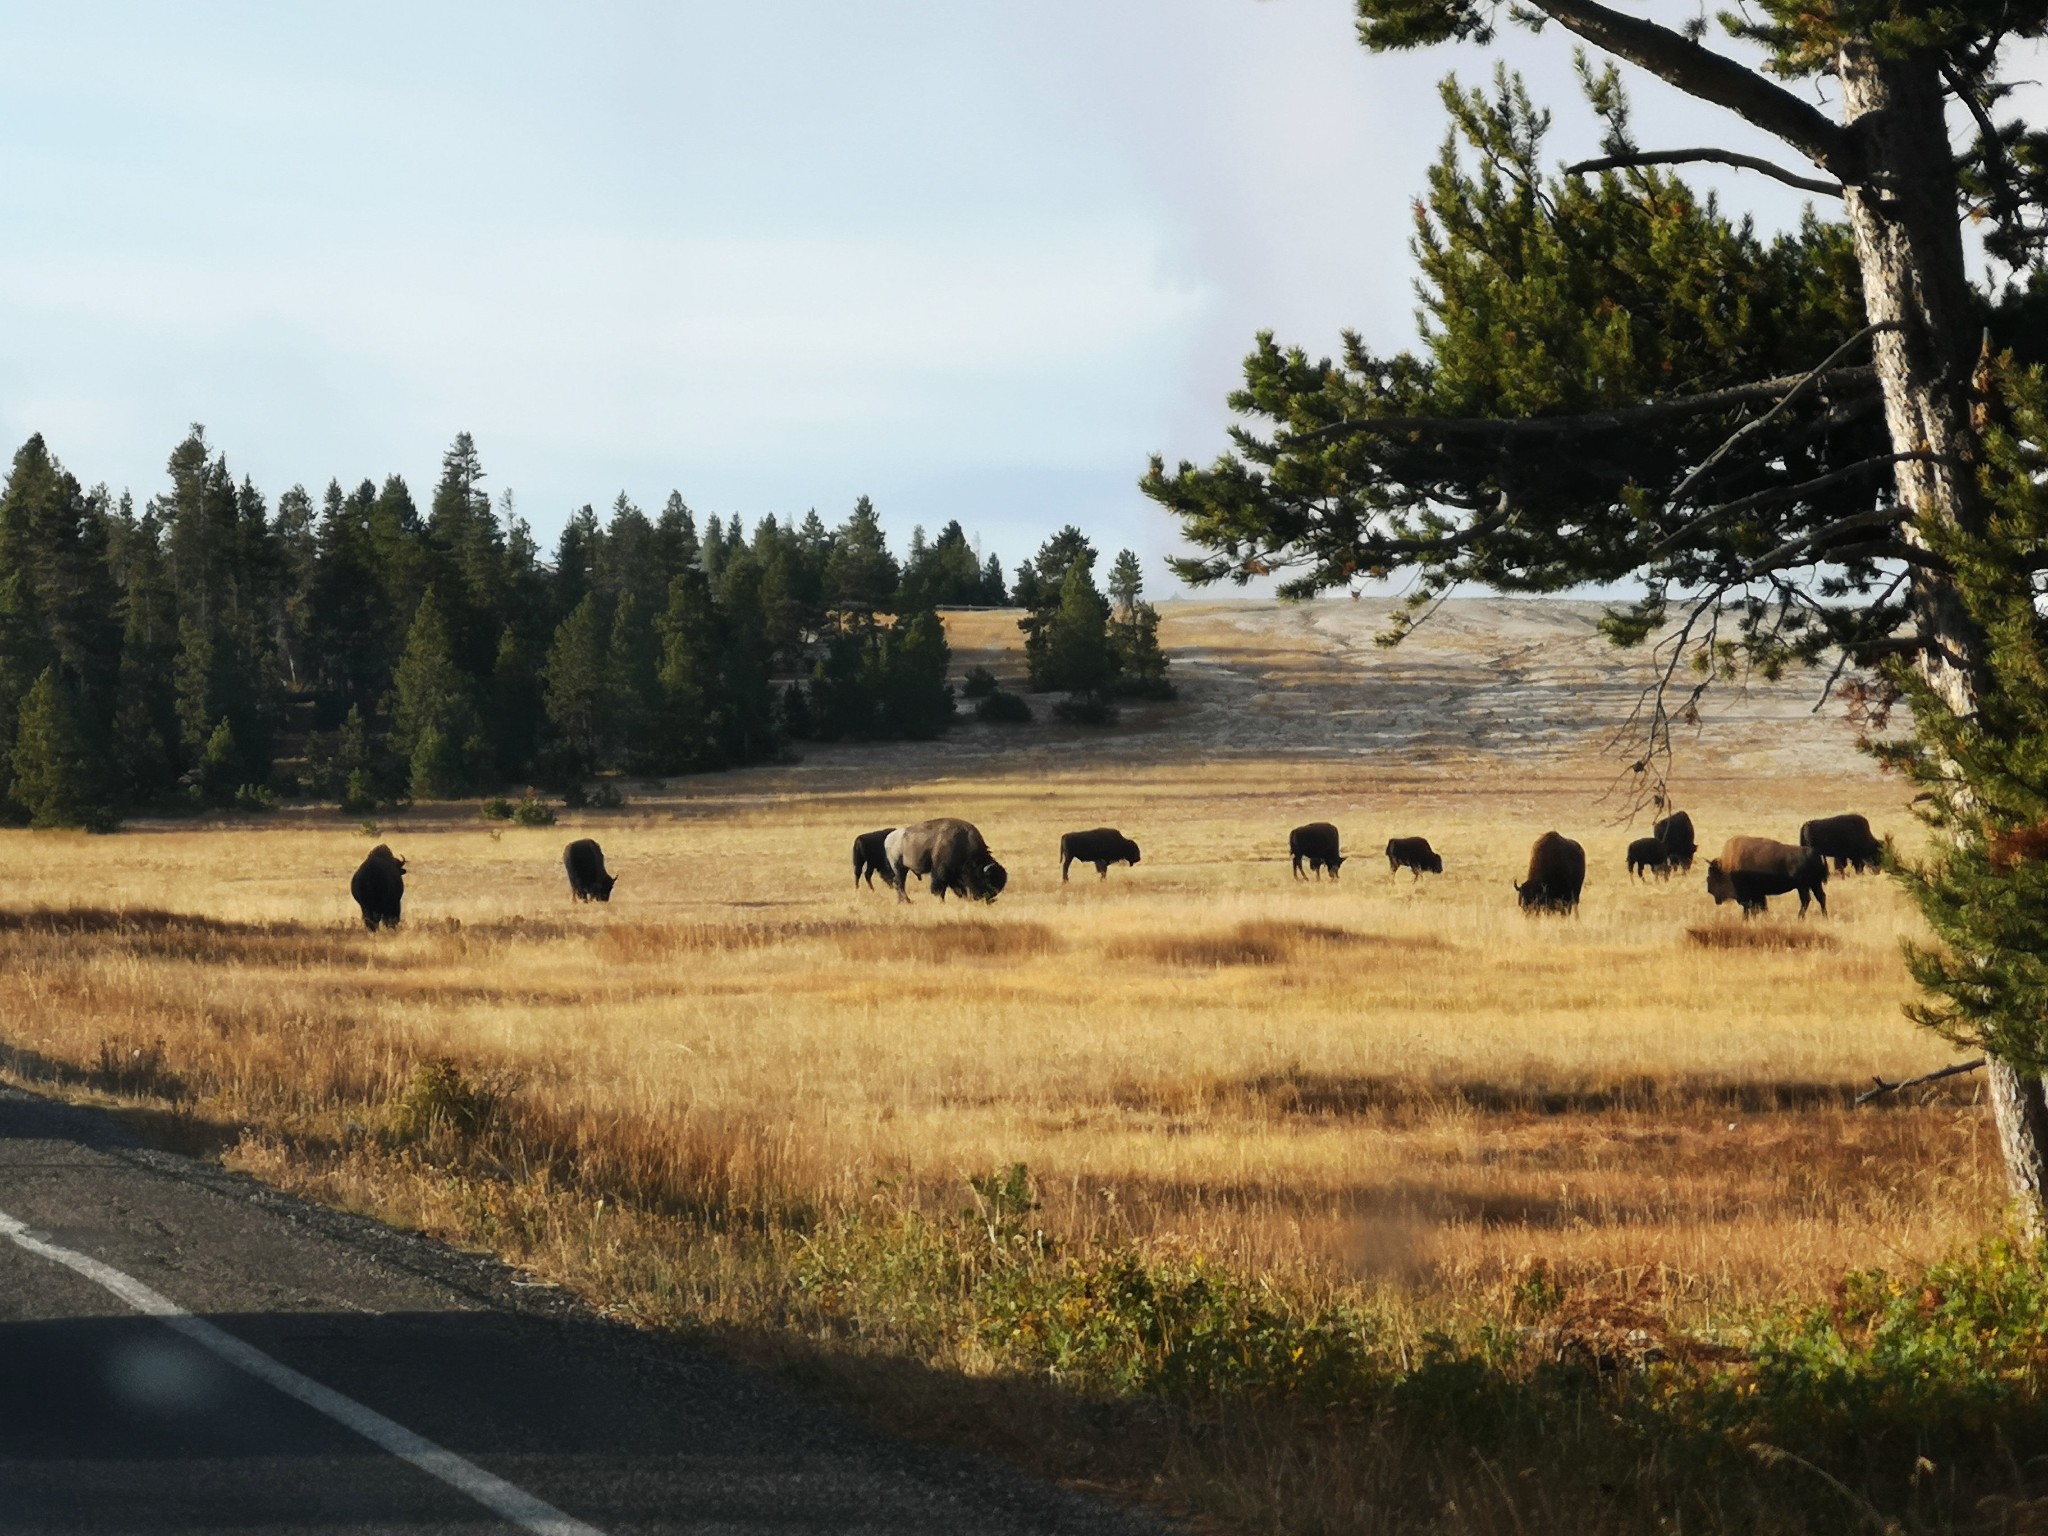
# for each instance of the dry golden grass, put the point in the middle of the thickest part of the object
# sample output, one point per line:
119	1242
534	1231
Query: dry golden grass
1397	1086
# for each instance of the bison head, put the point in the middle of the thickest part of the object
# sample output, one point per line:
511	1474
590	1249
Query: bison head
1130	850
991	878
1534	894
1434	863
1720	884
602	890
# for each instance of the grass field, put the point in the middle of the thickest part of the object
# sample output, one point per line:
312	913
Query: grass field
1399	1092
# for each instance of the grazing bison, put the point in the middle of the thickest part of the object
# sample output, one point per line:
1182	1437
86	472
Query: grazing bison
953	853
1557	873
1648	853
584	861
871	856
1316	843
1845	839
1753	868
1414	855
1676	834
379	888
1102	847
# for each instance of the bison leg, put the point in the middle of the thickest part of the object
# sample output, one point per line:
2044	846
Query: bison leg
1102	869
902	879
1066	863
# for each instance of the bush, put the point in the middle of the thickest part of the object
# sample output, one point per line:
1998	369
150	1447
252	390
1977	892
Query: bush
980	683
360	792
255	797
440	1098
606	797
1086	709
1003	708
532	811
497	808
574	796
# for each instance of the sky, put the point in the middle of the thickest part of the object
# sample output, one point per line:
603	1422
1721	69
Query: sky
975	259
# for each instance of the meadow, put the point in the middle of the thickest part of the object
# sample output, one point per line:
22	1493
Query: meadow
700	1104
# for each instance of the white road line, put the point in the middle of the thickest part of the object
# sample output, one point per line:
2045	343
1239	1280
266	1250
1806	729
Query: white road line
488	1489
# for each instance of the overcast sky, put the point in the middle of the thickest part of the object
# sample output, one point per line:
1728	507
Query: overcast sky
974	258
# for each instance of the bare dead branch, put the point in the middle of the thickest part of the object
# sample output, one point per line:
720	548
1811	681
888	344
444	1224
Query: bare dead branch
1678	60
1884	1087
1621	419
1710	156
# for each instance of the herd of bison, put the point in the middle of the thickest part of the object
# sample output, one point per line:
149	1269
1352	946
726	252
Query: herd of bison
953	856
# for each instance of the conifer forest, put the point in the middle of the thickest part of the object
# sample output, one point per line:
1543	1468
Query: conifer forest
213	648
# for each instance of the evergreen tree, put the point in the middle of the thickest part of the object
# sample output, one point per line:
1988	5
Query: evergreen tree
1074	654
57	777
994	594
915	700
861	576
576	560
688	730
434	697
747	697
467	557
580	691
633	665
1134	634
675	539
517	708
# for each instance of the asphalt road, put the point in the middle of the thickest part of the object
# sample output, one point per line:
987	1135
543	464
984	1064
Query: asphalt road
364	1341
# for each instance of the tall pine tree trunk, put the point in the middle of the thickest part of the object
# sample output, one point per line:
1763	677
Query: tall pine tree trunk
1902	214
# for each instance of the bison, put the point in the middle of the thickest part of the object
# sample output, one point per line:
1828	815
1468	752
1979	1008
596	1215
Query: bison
1845	839
379	888
1557	873
1651	854
871	857
588	880
1753	868
1102	847
953	853
1680	843
1317	844
1414	855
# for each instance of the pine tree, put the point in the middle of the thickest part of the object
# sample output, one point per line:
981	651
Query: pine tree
58	778
580	693
688	731
1134	634
915	700
517	710
861	576
675	539
434	697
994	594
633	667
1075	655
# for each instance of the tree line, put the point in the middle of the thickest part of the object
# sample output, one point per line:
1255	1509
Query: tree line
213	649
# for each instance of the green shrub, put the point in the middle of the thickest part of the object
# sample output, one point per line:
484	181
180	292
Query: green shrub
532	811
440	1098
607	797
1003	708
497	808
360	792
255	797
980	683
1086	709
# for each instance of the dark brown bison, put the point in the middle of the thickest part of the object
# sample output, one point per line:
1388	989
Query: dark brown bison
379	888
1101	846
871	856
1414	855
1316	844
1651	854
952	853
1845	839
1557	873
1676	834
1753	868
588	879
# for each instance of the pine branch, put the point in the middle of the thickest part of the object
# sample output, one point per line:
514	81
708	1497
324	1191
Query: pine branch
1710	156
1677	60
1749	428
1620	419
